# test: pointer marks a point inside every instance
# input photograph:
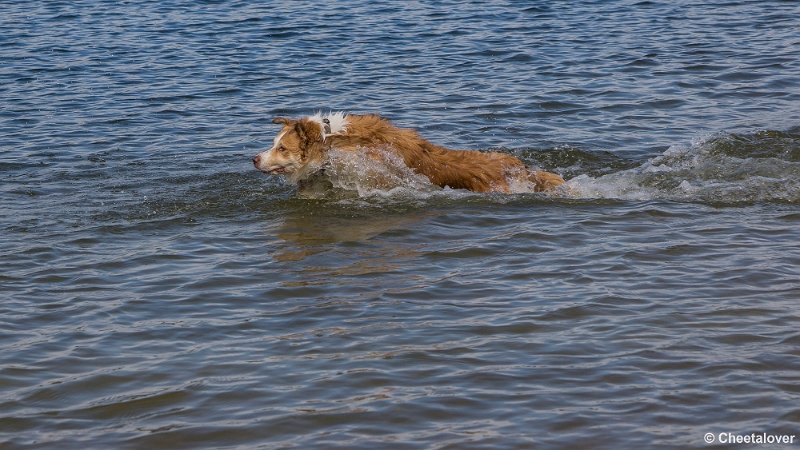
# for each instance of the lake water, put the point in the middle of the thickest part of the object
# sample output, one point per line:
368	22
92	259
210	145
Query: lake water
159	293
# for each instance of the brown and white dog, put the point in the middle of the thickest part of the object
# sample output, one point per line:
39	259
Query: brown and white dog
299	151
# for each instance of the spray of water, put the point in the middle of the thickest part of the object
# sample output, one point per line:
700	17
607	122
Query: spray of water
726	168
760	167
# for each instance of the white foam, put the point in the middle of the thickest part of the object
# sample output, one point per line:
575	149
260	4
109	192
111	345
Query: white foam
696	173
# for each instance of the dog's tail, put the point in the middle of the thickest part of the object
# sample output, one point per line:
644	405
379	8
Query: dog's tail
544	181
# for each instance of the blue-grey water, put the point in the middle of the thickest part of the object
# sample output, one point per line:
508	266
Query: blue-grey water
156	292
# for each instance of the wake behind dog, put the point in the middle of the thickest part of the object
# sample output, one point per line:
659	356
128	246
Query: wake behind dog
301	152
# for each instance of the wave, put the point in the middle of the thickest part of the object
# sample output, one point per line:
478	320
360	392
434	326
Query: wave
728	168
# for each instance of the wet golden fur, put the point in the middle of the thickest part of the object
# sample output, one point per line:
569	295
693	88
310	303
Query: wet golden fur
299	151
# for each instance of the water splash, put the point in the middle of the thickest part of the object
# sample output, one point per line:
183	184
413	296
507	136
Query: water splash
724	169
379	173
727	168
373	173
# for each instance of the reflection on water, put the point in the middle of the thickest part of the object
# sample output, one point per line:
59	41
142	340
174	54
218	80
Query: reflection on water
306	233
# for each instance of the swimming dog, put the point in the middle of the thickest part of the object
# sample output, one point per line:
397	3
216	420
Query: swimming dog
299	152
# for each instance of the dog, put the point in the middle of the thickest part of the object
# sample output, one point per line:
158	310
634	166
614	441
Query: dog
299	152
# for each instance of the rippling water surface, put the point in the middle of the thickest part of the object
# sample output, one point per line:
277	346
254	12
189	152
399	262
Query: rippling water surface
157	292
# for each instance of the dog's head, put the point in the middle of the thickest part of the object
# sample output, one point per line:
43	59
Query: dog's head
296	151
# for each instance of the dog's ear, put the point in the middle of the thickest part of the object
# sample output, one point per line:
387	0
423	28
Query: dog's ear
309	131
310	134
282	120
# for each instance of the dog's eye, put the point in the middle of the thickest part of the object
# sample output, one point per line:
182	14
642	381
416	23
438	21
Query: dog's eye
281	149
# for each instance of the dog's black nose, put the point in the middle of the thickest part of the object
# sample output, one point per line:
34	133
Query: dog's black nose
256	160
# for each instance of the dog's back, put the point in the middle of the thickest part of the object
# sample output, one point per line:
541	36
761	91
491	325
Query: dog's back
458	169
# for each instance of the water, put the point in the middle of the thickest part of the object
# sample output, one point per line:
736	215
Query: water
157	292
